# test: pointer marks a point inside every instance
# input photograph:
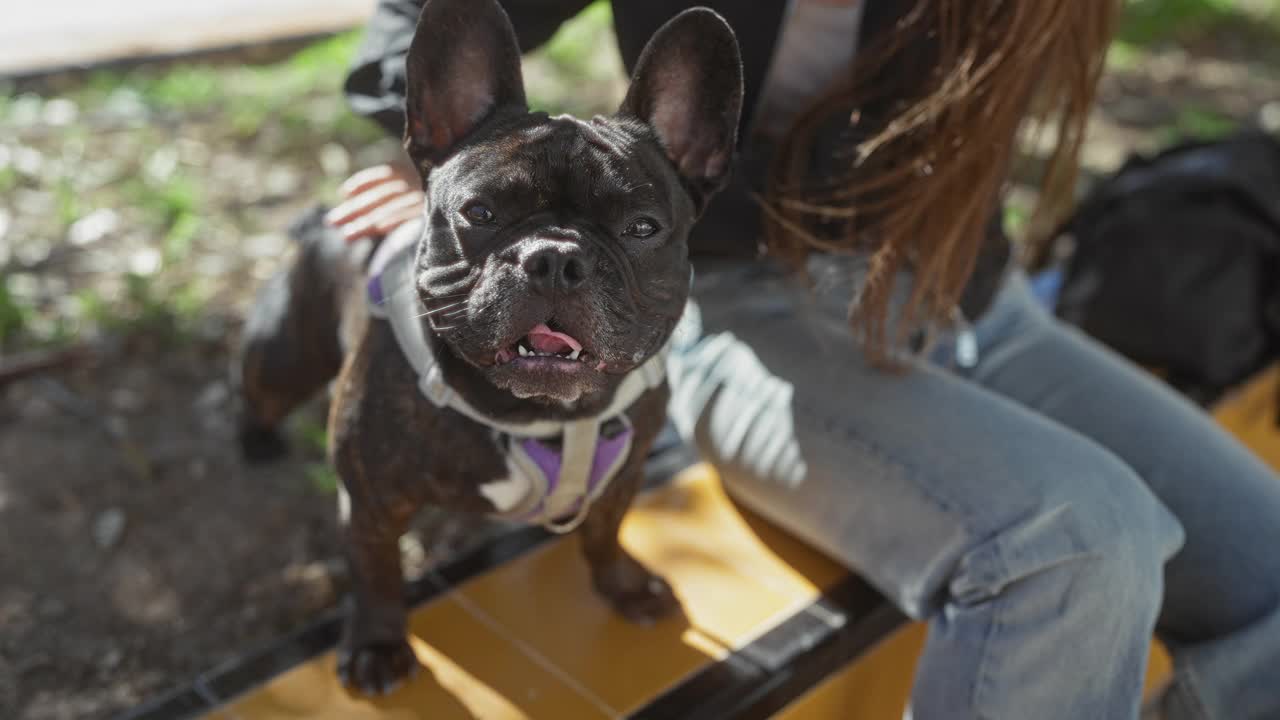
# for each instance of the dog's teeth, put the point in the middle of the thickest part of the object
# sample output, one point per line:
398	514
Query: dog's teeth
574	355
524	352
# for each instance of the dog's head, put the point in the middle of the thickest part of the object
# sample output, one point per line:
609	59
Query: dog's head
554	256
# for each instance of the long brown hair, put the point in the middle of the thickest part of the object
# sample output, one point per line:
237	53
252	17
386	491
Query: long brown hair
933	109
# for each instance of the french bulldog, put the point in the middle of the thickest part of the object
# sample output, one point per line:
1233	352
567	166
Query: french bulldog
505	354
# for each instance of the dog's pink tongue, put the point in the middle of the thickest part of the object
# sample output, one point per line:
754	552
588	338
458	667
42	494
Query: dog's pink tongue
544	339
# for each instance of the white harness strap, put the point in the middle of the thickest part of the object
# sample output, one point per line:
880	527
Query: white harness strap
402	308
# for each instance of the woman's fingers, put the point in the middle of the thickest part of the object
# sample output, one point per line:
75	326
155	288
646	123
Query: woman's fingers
367	178
376	201
384	217
367	200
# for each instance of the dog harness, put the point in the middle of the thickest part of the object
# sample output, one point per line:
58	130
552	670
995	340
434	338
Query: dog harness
556	468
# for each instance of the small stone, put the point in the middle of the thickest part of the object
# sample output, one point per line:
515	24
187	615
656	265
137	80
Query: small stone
108	528
145	261
317	584
111	659
25	110
33	251
214	265
126	400
282	182
28	161
55	287
212	397
312	572
116	426
24	286
60	112
93	227
37	409
1269	116
265	245
413	554
162	164
193	152
335	160
125	103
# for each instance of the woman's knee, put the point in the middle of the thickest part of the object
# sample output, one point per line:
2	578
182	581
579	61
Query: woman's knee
1098	534
1125	524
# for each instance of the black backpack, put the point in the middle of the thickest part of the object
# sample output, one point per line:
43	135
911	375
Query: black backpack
1176	262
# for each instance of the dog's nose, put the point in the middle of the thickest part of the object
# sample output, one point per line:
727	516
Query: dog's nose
557	267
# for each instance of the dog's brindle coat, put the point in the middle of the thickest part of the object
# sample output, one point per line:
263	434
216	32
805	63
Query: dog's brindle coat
530	220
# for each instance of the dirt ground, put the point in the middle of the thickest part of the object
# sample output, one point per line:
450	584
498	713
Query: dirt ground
135	548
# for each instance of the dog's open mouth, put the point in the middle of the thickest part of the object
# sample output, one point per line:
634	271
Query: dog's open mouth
543	344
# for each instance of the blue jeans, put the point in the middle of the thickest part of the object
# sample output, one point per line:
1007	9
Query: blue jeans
1045	509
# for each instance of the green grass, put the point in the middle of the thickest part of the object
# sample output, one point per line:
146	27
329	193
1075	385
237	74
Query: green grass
575	44
8	179
311	434
152	305
1193	123
1124	56
582	63
314	438
194	86
278	111
13	315
1204	123
1016	217
251	96
322	478
125	151
1148	22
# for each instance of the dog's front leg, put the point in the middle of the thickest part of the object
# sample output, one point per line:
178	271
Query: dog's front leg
636	593
374	655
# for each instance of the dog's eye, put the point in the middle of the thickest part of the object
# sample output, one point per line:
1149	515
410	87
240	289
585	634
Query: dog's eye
478	213
642	228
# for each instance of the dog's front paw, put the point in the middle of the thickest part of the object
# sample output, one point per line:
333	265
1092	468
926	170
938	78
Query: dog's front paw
377	668
634	592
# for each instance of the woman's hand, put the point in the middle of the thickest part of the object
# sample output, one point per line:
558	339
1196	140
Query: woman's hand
376	201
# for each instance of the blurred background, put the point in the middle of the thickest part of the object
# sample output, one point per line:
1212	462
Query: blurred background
143	199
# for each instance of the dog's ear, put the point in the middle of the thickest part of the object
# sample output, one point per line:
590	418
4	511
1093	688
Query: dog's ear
463	65
688	87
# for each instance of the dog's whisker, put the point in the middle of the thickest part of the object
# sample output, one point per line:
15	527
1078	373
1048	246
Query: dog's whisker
452	307
451	315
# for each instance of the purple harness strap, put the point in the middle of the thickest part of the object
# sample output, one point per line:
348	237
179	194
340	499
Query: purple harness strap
608	455
389	250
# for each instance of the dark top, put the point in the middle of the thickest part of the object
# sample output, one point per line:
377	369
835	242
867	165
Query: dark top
731	225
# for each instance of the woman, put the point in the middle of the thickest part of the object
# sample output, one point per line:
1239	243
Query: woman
1042	504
